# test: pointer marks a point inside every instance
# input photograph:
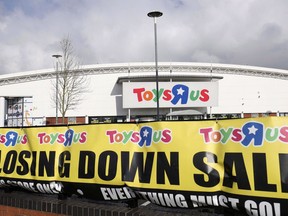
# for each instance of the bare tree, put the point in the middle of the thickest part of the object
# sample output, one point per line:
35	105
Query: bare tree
71	85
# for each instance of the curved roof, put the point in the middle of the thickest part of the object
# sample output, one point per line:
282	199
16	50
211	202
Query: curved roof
166	78
149	67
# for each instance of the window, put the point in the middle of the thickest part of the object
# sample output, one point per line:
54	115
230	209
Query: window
18	111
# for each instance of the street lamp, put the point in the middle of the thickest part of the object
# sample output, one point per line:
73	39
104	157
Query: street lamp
57	79
154	15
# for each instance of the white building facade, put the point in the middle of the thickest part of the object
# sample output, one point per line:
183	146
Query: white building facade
215	91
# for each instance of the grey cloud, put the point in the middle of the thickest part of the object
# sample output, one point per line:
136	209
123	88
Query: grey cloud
225	31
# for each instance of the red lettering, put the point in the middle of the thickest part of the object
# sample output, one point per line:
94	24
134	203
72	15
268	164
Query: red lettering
205	132
2	139
284	134
166	136
167	95
41	136
204	95
111	135
61	138
24	139
236	135
83	137
139	91
135	137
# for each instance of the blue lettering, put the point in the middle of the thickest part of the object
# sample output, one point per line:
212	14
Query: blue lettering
68	137
180	92
253	131
145	136
11	138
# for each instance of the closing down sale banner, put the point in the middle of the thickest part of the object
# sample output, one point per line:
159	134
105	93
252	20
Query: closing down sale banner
240	164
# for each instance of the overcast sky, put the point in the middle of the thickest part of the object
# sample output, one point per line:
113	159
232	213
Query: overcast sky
250	32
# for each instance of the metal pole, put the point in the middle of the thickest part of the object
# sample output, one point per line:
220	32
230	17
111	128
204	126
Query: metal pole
211	81
154	15
57	90
156	66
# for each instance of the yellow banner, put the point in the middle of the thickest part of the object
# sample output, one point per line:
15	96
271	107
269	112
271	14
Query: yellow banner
242	157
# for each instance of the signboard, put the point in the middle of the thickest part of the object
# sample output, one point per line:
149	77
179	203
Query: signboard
240	164
171	94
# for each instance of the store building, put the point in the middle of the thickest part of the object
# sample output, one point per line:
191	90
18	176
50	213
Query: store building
126	92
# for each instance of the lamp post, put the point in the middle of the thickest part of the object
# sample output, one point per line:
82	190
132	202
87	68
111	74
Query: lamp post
57	79
154	15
